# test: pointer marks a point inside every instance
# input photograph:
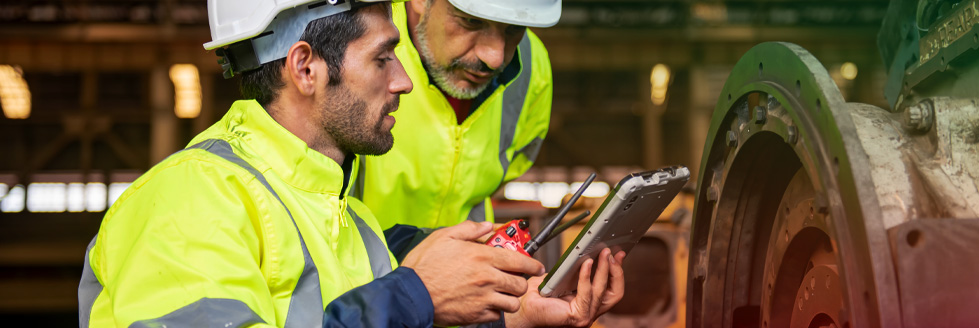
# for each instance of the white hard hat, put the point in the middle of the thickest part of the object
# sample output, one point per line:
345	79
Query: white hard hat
533	13
269	28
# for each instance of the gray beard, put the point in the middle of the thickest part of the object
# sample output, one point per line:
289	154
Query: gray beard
442	75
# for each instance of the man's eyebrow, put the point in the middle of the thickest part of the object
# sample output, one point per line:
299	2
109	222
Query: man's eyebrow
389	44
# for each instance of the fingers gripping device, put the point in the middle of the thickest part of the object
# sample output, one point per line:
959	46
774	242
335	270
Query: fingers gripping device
515	235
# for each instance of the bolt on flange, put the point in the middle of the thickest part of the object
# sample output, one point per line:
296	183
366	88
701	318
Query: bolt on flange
732	139
760	115
919	117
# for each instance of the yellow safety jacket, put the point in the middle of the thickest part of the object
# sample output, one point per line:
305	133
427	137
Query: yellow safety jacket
439	172
247	226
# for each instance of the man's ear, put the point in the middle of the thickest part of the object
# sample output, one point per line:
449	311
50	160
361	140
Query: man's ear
304	68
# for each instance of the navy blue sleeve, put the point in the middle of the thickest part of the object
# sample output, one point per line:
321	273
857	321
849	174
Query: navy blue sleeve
398	299
403	238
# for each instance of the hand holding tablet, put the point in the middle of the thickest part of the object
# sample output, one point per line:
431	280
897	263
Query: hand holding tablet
625	216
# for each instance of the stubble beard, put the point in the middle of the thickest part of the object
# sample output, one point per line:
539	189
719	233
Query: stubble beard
350	125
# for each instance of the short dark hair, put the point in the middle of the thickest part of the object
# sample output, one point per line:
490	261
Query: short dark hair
328	36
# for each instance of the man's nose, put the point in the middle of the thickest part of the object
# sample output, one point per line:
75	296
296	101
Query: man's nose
400	83
490	47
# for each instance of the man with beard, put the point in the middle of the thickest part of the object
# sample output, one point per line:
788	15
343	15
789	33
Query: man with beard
251	224
483	92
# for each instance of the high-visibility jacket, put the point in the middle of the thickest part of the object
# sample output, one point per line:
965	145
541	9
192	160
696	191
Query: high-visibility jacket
247	226
439	172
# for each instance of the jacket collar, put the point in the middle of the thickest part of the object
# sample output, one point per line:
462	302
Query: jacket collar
270	147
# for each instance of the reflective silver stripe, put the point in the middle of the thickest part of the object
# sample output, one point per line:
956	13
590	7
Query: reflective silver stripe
513	100
376	251
206	312
531	149
88	289
478	212
357	189
307	294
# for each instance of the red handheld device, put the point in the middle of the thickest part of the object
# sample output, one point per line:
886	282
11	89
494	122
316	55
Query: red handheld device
513	236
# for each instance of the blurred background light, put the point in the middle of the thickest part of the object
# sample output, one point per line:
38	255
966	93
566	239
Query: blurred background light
46	197
115	190
15	97
525	191
551	193
659	78
95	197
187	90
596	189
848	70
76	197
13	200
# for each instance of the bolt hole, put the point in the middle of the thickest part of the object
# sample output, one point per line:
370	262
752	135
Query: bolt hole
729	97
798	88
760	69
836	165
914	238
819	104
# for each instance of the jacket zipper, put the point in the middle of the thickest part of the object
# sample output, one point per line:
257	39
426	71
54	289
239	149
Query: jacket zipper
341	222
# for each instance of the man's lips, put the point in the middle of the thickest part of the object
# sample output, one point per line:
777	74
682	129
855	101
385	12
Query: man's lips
477	78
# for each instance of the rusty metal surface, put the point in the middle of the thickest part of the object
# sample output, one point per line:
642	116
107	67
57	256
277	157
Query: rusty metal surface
936	269
923	172
799	190
780	116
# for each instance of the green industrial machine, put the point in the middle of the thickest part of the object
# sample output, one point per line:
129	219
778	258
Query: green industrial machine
815	212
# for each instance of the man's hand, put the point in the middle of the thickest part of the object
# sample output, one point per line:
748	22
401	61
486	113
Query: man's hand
593	298
486	236
470	282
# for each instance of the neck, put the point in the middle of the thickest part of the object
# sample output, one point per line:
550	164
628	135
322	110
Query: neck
298	122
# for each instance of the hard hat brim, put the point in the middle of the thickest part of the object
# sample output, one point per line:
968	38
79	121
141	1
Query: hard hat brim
520	12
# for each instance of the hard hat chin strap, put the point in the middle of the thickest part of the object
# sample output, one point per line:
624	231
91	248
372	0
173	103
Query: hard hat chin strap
272	44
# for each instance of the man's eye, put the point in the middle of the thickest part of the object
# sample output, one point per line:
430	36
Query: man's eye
472	22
